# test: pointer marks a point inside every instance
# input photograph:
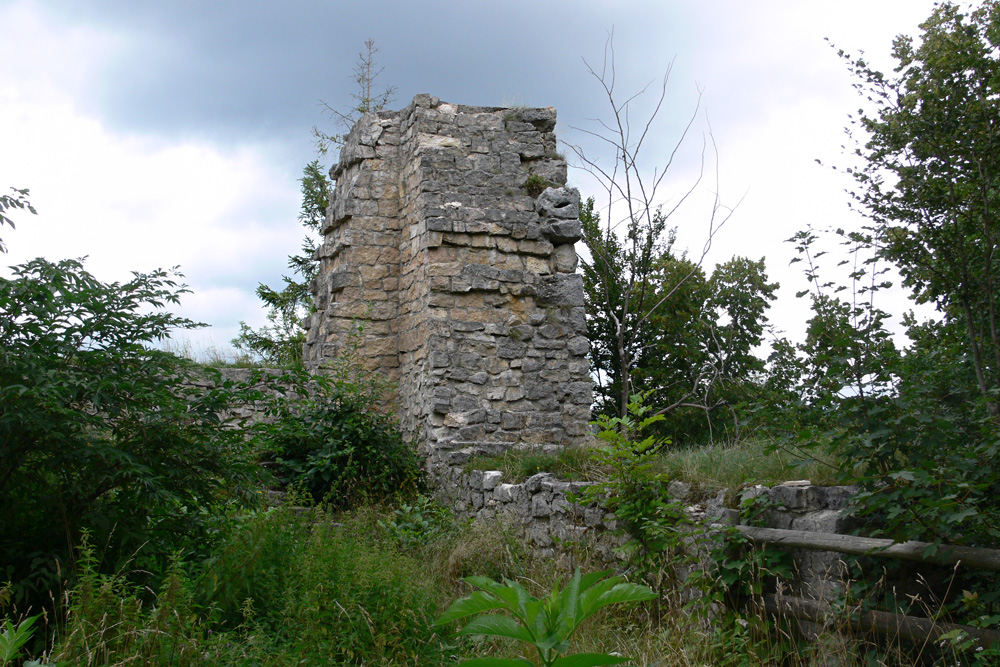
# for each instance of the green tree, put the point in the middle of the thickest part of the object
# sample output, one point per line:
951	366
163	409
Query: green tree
280	342
930	178
101	432
365	98
18	200
687	340
625	239
917	427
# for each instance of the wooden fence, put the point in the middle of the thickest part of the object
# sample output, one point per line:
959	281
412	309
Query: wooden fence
913	628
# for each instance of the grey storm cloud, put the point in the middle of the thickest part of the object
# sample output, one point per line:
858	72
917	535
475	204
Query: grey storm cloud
233	71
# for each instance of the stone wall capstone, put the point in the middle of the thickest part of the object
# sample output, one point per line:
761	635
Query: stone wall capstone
448	263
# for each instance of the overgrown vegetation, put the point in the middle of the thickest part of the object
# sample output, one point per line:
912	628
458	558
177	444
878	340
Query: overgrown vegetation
333	445
133	533
708	469
916	427
101	433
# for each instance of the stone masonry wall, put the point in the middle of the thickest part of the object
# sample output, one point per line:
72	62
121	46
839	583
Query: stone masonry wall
540	508
450	241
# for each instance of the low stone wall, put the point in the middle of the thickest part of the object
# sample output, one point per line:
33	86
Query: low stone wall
244	414
541	508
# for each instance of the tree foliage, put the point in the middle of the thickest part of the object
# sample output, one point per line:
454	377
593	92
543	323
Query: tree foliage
337	449
688	339
280	342
99	431
930	180
917	427
18	200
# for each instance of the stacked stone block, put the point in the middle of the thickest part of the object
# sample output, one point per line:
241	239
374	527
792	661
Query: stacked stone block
542	509
450	241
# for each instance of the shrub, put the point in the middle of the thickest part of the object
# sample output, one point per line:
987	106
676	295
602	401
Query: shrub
419	522
338	448
101	433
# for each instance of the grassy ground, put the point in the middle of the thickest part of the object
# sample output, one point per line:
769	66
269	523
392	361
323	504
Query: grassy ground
708	469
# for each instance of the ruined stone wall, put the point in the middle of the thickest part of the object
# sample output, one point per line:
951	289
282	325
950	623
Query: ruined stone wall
450	240
541	507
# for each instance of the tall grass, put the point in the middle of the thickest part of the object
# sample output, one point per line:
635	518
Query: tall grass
708	468
285	588
736	464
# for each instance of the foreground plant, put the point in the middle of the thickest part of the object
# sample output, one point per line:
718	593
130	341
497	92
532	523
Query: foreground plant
13	637
547	624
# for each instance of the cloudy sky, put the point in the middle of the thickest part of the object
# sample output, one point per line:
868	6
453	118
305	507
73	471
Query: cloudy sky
155	134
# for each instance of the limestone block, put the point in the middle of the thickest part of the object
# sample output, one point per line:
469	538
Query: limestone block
503	493
513	394
511	349
538	533
561	290
537	265
540	248
534	483
821	521
564	258
577	346
491	478
836	497
560	203
560	505
540	505
474	480
796	497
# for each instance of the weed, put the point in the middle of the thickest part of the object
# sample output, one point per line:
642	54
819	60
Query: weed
547	623
535	185
571	463
419	522
13	637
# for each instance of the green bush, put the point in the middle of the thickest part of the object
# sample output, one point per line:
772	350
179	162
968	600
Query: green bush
99	432
338	448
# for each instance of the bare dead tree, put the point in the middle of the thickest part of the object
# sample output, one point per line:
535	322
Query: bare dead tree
633	197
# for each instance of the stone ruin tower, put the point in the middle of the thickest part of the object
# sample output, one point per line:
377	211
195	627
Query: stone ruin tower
450	240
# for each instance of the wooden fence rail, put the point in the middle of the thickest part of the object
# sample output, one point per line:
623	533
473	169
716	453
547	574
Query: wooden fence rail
913	628
924	552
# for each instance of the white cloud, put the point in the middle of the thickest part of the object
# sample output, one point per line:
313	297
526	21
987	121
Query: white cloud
133	202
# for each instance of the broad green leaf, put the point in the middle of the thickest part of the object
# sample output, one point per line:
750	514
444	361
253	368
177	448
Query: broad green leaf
567	605
619	593
512	593
476	603
588	580
589	660
497	626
